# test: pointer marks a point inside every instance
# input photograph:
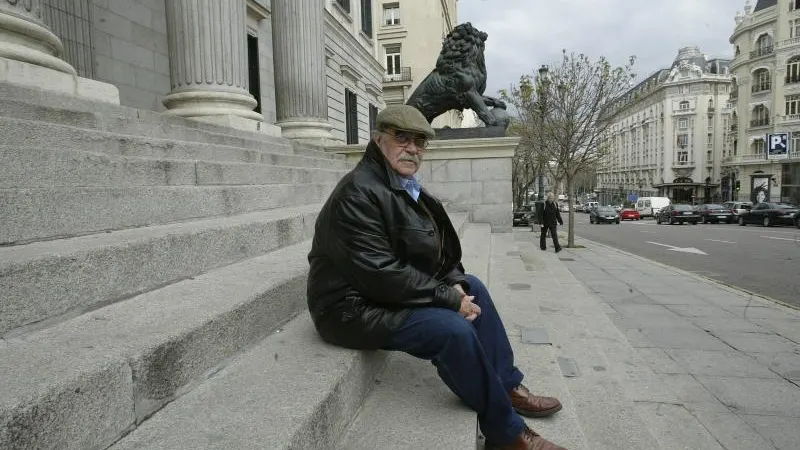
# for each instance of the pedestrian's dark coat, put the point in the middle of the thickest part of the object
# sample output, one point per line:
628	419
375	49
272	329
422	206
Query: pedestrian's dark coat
550	214
377	254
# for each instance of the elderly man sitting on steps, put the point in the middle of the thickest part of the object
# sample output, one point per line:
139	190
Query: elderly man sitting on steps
385	273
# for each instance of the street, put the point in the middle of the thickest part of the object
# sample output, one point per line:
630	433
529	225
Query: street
762	260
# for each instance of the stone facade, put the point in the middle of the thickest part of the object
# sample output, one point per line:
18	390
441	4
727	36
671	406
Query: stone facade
472	175
670	133
244	63
766	70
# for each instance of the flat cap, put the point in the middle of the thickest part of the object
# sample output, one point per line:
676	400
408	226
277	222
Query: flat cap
405	118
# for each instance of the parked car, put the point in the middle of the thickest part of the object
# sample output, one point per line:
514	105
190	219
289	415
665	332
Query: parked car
603	214
523	215
679	213
714	213
629	214
769	214
737	208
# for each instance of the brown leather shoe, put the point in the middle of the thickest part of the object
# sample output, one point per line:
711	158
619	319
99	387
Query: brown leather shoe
527	440
531	405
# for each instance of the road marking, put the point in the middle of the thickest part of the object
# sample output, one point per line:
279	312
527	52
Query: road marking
681	249
782	239
641	231
719	240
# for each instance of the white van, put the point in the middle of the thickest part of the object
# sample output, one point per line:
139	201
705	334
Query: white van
650	206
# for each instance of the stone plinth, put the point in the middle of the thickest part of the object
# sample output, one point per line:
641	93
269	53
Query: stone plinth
30	55
472	175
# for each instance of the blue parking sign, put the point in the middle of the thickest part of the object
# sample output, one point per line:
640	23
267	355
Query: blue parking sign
778	146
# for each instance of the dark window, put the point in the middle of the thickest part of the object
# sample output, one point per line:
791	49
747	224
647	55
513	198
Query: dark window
254	75
345	4
366	17
351	116
373	117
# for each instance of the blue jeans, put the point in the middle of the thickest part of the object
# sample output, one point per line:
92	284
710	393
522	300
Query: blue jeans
473	358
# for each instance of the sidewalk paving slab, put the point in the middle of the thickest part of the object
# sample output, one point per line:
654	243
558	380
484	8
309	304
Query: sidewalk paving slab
734	369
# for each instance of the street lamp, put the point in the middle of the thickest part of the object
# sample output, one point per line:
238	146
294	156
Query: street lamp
543	83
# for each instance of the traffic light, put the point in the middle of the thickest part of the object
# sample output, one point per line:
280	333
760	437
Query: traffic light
738	185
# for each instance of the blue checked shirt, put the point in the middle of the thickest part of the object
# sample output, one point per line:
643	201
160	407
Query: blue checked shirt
412	186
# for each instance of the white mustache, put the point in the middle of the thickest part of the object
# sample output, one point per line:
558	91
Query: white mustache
416	159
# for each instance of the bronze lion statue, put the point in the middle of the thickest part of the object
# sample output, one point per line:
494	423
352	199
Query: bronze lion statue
459	80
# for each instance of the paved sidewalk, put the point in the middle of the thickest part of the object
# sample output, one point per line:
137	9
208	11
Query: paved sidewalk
731	359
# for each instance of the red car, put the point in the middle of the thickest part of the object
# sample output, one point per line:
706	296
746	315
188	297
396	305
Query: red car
629	214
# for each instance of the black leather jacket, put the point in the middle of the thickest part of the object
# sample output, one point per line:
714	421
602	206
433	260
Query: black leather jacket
377	254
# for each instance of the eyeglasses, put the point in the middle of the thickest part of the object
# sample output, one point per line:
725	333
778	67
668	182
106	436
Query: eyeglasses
405	139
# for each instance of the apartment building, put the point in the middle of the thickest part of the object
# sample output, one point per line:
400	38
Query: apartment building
410	34
766	96
670	133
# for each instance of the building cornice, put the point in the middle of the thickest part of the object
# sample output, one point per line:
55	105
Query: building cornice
258	10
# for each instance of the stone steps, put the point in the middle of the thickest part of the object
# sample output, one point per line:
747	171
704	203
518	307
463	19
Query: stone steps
87	381
36	134
50	281
33	105
52	213
410	407
37	167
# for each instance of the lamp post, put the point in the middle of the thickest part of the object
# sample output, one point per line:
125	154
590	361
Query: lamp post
543	85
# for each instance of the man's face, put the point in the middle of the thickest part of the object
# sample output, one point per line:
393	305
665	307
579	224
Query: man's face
403	150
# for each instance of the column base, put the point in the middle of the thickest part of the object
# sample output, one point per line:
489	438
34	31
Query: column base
240	123
312	132
204	103
44	78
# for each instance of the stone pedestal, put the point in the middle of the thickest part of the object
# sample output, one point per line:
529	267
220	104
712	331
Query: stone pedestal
300	83
208	60
472	175
30	55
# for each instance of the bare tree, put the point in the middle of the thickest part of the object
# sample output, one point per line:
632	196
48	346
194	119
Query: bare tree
565	110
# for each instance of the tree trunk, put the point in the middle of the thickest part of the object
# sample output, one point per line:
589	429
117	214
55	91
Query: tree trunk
571	213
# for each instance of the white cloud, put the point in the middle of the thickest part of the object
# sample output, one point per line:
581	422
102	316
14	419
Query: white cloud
524	34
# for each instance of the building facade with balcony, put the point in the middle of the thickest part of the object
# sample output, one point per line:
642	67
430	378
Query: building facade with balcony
766	99
410	34
669	133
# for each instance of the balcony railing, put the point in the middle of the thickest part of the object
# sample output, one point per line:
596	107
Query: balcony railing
734	95
763	51
684	164
759	122
762	87
788	42
789	118
403	75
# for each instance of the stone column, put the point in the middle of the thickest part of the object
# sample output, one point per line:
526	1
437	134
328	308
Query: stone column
208	60
300	80
24	38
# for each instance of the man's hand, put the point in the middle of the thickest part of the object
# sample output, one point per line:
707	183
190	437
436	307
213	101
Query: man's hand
468	310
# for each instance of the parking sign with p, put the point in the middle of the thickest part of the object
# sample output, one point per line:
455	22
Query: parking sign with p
778	146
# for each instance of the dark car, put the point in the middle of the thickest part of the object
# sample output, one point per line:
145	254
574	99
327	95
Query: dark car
714	213
679	213
769	214
604	214
523	215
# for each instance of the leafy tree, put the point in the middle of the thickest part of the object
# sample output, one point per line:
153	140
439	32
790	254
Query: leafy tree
564	113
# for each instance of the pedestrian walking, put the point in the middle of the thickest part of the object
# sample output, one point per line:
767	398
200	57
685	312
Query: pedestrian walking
550	215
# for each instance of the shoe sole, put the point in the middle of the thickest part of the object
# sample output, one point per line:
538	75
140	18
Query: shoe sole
545	413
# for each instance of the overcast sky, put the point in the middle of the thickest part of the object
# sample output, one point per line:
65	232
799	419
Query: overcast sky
524	34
